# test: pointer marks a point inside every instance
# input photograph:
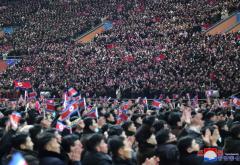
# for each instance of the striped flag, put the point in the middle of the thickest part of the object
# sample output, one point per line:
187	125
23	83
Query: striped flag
60	126
156	104
82	103
70	109
32	95
17	159
72	92
50	107
224	103
66	100
93	113
22	85
236	102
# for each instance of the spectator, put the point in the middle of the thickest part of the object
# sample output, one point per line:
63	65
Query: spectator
96	151
166	150
22	143
194	129
121	151
49	149
129	128
146	140
89	129
188	149
73	147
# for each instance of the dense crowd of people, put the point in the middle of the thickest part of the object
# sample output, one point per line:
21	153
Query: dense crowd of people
154	47
171	135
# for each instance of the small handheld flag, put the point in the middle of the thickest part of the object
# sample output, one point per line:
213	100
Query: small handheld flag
17	159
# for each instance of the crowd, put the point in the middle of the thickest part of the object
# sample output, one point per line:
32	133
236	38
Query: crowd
155	47
146	136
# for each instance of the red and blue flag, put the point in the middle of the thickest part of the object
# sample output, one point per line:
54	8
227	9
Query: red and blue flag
156	103
70	109
72	92
22	85
17	159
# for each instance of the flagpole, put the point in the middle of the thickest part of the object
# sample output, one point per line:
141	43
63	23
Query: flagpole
85	105
79	115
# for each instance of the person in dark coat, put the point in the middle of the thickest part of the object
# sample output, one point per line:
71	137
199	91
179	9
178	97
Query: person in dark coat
188	149
137	120
96	151
166	150
49	150
174	120
22	143
72	146
121	151
89	129
194	129
223	130
232	143
146	140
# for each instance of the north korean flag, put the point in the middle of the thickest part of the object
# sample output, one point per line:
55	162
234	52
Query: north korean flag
93	113
72	92
50	107
71	108
60	126
156	104
236	102
82	103
15	116
32	95
23	85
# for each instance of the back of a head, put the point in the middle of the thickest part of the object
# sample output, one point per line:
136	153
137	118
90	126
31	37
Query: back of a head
126	125
135	117
18	139
68	141
149	120
209	115
143	133
162	136
36	129
114	144
115	130
184	143
42	140
174	118
51	130
88	122
158	125
93	142
235	131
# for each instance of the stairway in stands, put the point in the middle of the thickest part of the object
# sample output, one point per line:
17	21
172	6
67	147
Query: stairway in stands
230	24
90	35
